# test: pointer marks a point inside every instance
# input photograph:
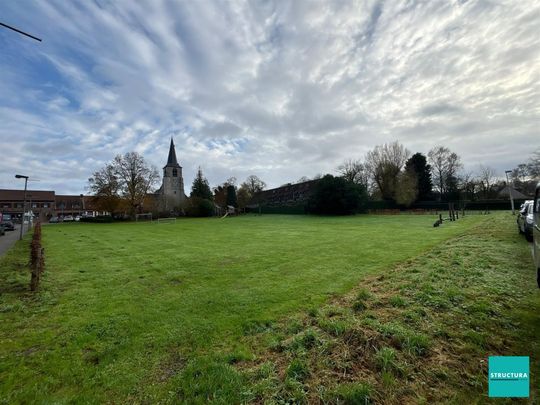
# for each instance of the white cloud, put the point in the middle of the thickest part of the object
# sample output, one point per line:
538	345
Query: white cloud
277	89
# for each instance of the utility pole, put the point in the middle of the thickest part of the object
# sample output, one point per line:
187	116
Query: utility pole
20	176
510	188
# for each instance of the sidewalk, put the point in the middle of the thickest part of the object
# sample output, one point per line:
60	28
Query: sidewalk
9	239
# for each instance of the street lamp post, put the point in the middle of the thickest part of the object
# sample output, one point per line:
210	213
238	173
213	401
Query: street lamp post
30	223
20	176
510	188
81	206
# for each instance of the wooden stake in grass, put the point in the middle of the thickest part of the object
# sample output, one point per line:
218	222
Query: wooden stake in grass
37	260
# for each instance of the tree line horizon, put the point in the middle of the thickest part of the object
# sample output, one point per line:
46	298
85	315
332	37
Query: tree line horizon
388	172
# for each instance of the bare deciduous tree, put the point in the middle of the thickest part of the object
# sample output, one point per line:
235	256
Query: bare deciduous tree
128	177
105	186
531	169
486	178
354	171
253	184
526	175
136	178
383	164
444	164
468	185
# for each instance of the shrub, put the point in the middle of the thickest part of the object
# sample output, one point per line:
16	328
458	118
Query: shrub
337	196
199	207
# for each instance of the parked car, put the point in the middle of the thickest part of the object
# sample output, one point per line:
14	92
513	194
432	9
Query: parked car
8	225
536	233
54	220
68	218
525	219
2	232
78	218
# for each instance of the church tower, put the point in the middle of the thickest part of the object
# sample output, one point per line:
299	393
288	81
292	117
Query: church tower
172	189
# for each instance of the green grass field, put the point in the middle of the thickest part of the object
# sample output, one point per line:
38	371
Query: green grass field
190	311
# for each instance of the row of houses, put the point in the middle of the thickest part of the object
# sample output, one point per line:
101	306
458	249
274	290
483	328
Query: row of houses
46	204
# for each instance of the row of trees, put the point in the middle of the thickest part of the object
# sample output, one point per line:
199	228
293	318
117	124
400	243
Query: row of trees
123	185
229	193
202	198
389	172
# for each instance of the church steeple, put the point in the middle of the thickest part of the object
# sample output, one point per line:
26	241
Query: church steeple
171	160
172	188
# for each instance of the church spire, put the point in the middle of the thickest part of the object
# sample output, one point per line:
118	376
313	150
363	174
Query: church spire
171	160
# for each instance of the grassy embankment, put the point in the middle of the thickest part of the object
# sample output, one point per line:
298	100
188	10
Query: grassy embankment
419	333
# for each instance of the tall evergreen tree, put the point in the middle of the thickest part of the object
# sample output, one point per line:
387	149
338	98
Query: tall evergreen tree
418	164
231	196
200	187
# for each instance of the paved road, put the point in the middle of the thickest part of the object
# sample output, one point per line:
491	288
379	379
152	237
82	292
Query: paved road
9	239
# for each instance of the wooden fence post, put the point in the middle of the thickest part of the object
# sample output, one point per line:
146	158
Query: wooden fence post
37	258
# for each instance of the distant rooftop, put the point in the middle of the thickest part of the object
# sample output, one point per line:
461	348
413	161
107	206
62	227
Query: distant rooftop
515	194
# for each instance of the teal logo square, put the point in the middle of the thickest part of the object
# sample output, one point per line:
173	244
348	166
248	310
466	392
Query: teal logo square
508	376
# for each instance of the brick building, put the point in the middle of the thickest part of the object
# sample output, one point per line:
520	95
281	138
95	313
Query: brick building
287	195
45	204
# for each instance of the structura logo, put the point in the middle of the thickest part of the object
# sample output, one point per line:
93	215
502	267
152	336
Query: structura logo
508	376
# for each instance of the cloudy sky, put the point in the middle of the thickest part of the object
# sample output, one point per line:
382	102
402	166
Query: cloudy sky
280	89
